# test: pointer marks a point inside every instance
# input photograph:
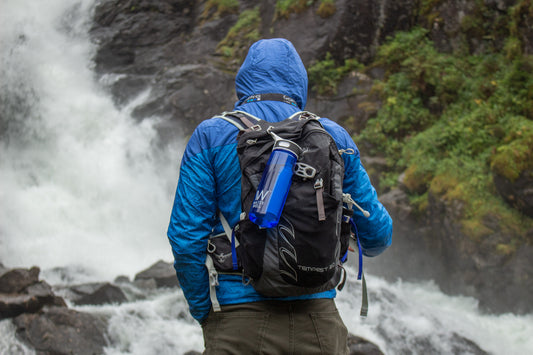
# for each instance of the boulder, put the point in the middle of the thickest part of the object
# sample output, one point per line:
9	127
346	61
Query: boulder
22	292
16	280
96	293
59	330
161	272
361	346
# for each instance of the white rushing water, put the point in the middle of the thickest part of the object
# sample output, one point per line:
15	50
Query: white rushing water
82	183
84	188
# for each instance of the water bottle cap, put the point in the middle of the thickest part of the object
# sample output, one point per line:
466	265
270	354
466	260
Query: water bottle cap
288	145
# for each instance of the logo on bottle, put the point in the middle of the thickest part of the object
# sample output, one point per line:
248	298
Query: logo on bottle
260	197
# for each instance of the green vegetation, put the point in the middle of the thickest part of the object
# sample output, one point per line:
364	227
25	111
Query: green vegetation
325	75
447	121
241	35
326	9
247	28
218	8
286	7
450	121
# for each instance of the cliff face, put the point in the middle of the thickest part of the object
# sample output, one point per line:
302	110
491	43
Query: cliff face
185	54
171	48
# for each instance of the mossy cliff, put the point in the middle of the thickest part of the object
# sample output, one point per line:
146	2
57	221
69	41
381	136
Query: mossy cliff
438	95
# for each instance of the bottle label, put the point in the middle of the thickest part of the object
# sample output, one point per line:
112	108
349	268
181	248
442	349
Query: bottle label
273	189
261	198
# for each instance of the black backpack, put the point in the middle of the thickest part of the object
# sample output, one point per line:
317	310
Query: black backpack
302	254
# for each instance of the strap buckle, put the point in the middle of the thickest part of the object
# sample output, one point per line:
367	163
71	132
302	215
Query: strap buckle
319	184
304	170
211	247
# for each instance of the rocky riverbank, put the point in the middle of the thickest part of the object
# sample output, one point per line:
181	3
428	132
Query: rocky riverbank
43	320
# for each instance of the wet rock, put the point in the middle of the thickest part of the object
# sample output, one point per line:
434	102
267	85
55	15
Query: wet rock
518	193
397	203
353	103
429	244
16	280
192	92
127	31
155	46
361	346
60	330
2	269
161	272
22	292
145	284
122	279
15	304
96	294
363	25
141	44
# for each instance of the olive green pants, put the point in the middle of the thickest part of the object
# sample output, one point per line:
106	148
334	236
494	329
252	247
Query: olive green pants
276	327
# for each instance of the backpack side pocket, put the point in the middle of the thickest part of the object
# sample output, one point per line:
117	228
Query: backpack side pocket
219	247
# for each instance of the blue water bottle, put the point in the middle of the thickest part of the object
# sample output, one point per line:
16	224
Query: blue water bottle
275	183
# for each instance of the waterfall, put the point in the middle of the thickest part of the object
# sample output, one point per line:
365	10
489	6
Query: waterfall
86	188
83	184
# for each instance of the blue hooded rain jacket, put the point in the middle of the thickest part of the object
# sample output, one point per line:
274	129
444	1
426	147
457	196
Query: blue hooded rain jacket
210	178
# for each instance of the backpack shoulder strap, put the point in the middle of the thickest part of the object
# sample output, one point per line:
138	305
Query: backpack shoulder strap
303	115
240	119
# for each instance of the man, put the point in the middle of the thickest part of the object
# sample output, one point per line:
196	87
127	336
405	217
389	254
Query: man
210	181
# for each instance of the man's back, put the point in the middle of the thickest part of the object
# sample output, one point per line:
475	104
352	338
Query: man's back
210	181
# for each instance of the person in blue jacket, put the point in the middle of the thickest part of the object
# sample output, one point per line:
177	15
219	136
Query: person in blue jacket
210	181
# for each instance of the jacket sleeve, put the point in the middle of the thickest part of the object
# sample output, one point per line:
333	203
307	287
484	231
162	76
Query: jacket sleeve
191	223
375	232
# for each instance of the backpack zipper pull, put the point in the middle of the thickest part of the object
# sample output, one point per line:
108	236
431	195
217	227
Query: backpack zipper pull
319	188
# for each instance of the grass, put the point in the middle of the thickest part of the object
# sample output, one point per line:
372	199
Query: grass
241	35
451	121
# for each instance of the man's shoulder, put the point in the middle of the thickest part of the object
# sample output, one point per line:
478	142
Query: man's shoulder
339	134
216	122
211	133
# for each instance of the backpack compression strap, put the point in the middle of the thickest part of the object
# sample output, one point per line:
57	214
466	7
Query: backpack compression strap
360	275
213	282
212	272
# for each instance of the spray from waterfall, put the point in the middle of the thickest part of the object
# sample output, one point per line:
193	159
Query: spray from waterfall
83	184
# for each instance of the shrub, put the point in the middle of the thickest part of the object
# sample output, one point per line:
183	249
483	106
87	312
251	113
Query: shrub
325	75
449	120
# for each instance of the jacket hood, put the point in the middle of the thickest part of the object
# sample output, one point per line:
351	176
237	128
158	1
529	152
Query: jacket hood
272	66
